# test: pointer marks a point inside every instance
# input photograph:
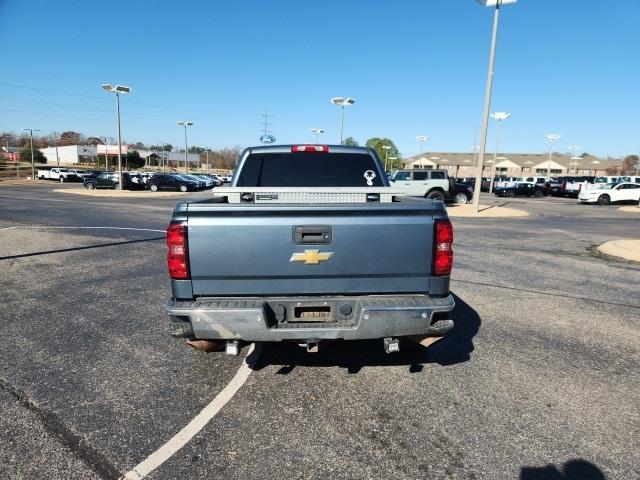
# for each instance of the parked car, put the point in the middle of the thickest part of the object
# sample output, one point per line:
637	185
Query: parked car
460	193
59	174
200	184
306	271
607	193
208	181
520	189
433	184
110	180
569	185
168	181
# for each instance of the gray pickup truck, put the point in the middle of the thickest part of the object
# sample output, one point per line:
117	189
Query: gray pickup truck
309	243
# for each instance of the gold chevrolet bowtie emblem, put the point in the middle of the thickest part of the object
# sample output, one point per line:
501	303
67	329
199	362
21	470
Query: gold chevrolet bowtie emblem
311	257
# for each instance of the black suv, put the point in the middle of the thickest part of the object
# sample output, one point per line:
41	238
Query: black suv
164	181
110	180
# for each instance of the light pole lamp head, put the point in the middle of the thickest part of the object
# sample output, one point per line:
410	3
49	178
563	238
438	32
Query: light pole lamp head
316	130
494	3
499	116
552	137
183	123
107	87
422	138
341	101
386	147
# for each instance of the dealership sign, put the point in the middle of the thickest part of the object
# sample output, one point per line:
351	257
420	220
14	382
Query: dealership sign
267	139
111	149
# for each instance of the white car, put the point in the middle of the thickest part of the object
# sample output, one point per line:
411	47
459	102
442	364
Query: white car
607	193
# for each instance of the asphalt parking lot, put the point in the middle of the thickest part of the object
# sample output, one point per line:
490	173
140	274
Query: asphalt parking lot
539	379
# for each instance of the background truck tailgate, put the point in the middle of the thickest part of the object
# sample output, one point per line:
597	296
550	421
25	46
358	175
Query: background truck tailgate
247	249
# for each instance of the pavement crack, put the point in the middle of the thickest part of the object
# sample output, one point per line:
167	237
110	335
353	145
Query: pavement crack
74	442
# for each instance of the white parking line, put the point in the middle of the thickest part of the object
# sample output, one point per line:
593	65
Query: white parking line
180	439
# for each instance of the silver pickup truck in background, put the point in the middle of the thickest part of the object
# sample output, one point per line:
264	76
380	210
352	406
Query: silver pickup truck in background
309	243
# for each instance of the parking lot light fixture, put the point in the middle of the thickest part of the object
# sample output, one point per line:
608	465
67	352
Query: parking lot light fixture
164	155
386	149
552	137
185	124
316	132
118	89
498	117
342	102
33	168
422	139
573	149
496	4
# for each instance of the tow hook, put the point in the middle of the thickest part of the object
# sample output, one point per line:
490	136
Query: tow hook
311	346
391	345
232	348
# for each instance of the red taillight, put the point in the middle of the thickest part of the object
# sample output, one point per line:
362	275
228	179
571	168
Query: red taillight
310	148
442	250
177	255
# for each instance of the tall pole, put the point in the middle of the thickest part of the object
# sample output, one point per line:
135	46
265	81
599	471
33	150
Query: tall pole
207	159
487	105
55	142
386	159
186	163
495	157
552	137
119	142
341	123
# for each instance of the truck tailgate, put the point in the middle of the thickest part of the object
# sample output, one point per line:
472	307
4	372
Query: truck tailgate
254	250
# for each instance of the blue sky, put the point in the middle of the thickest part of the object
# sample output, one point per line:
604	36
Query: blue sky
414	67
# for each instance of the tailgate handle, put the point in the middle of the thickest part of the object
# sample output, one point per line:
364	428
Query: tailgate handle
312	234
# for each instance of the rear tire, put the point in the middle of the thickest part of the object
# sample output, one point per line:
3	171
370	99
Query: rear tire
538	195
89	186
183	188
153	188
509	194
604	200
115	186
461	199
61	179
435	195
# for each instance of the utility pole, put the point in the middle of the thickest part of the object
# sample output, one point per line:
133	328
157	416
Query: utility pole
265	121
55	142
33	167
207	159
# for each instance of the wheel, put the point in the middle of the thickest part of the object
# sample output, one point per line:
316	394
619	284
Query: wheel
115	186
61	179
90	186
509	193
538	194
183	188
461	198
435	195
604	200
153	188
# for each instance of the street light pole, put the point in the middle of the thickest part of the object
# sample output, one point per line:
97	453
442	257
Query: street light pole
118	89
207	159
487	97
552	137
386	149
498	117
573	149
55	143
422	139
185	124
342	102
164	155
316	131
33	168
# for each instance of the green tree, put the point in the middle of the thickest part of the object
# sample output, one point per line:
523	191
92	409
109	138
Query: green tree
377	144
167	147
133	160
25	155
351	142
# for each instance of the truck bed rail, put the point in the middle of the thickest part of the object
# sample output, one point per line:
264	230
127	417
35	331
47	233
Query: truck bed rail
306	195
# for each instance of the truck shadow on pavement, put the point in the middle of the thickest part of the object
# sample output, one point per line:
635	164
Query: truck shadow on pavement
571	470
454	348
